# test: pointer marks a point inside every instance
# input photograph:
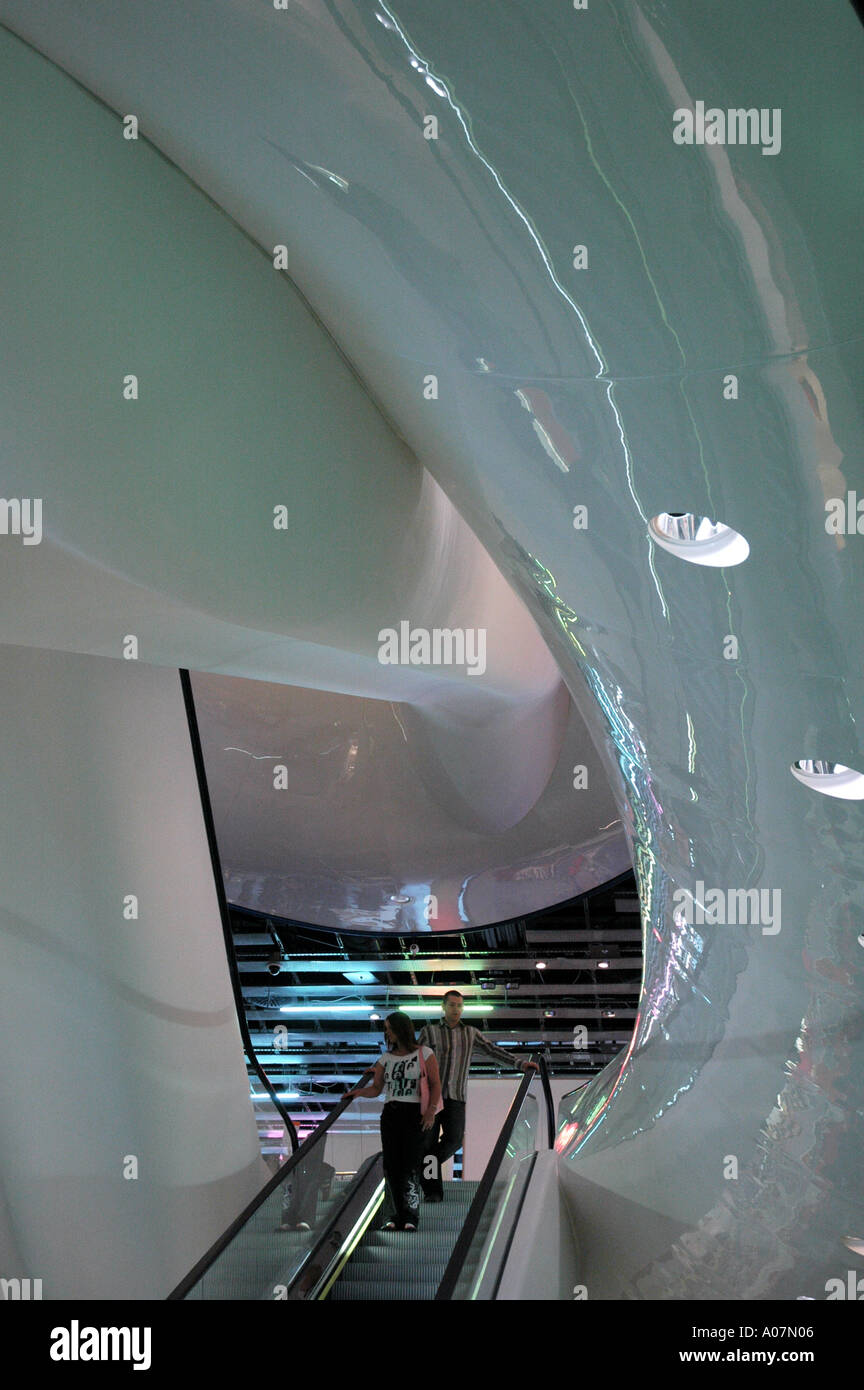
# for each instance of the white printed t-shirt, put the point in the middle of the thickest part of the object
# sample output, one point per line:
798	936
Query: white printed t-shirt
402	1075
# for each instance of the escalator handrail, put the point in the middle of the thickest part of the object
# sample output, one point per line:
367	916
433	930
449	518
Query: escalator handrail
370	1174
239	1222
224	912
550	1105
475	1211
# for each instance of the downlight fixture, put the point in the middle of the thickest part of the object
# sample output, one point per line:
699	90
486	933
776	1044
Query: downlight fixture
698	539
832	779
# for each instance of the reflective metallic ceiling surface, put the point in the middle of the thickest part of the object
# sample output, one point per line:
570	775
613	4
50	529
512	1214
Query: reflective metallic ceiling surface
627	324
334	810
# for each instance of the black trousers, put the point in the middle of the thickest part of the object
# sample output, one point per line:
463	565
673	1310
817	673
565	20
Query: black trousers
402	1150
443	1140
301	1189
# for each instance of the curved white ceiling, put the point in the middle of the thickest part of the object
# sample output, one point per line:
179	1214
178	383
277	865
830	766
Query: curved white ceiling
158	518
629	325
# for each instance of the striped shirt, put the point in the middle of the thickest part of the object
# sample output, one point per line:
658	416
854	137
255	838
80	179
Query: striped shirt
453	1048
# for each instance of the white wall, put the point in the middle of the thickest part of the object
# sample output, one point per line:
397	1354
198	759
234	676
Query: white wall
488	1103
541	1264
118	1037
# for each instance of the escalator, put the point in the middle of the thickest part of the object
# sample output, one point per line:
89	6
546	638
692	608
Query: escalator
313	1233
396	1264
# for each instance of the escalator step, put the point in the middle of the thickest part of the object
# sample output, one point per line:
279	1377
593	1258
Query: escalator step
390	1266
427	1248
384	1291
386	1266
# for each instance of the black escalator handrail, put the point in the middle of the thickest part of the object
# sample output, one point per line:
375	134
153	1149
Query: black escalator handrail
550	1105
287	1167
481	1196
308	1279
225	916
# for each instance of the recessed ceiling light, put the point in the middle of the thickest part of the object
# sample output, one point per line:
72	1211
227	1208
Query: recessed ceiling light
602	965
832	779
540	965
698	539
399	898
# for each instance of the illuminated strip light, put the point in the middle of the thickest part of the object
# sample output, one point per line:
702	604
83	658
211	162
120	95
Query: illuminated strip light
355	1235
326	1009
275	1054
423	1009
490	1244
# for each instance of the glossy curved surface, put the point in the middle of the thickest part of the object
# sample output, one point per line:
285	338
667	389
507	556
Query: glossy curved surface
608	388
158	523
369	831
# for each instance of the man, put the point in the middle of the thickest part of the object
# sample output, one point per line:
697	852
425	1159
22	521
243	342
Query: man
453	1042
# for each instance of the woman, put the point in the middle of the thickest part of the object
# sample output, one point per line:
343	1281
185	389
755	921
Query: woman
403	1125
